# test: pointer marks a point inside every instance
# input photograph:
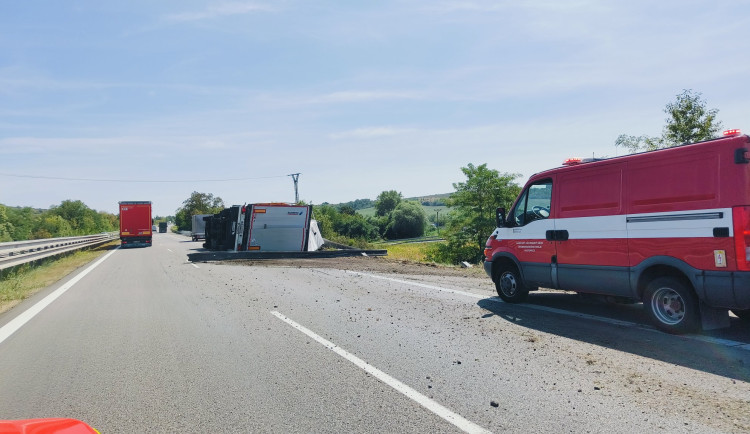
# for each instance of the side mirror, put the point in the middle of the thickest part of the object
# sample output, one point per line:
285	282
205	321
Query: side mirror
500	217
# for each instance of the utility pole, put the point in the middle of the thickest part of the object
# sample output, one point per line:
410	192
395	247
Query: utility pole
295	177
437	220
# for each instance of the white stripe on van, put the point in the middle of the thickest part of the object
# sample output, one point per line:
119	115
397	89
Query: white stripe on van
673	224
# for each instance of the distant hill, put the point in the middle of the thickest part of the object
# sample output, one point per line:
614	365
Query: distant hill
363	204
431	200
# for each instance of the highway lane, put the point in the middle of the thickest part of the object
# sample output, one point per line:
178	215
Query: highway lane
147	341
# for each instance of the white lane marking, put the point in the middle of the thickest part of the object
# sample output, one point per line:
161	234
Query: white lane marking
454	418
19	321
421	285
194	265
170	250
709	339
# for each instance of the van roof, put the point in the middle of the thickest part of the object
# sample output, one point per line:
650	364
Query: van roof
588	161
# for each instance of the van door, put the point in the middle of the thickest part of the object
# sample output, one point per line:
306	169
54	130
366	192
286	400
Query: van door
592	247
529	225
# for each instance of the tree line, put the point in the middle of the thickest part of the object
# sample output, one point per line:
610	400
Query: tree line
70	218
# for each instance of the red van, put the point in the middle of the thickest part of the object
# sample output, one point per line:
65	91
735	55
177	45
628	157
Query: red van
669	227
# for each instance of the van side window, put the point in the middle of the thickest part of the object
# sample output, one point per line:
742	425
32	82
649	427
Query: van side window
534	204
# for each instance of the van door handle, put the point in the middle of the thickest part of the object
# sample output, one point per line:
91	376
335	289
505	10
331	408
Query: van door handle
561	235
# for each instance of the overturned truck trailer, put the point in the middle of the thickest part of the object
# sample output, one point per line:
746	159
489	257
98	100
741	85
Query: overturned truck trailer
263	227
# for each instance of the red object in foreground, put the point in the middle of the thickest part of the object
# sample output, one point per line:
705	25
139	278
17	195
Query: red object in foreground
45	426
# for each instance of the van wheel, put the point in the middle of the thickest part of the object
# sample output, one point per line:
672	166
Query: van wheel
672	305
510	287
743	314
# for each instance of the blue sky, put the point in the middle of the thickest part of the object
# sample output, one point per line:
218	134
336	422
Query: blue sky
358	97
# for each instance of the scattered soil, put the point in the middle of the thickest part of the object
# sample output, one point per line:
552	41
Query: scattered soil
373	264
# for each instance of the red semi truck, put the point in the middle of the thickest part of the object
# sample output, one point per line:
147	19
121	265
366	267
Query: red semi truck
135	223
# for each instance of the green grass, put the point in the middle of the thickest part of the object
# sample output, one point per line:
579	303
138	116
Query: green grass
25	280
415	252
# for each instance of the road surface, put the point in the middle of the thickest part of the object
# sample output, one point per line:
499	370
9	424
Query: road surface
147	342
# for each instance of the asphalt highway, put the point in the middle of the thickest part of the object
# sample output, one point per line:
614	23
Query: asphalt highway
148	342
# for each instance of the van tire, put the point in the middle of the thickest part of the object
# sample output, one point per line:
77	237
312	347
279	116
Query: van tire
672	305
743	314
509	286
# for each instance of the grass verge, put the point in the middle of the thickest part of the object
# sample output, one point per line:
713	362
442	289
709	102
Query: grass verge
23	281
416	252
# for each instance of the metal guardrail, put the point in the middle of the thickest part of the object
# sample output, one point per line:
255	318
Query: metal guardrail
16	253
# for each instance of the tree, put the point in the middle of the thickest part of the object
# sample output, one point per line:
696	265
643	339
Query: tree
81	219
386	202
75	212
53	226
473	215
24	222
351	229
197	203
689	121
6	227
407	221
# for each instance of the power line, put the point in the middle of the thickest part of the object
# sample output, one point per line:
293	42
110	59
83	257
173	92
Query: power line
60	178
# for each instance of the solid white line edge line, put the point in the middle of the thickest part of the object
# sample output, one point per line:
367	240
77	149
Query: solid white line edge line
16	323
709	339
457	420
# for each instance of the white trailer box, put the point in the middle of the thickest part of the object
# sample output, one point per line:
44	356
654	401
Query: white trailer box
278	227
199	227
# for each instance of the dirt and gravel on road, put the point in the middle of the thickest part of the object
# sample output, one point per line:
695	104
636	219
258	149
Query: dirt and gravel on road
373	264
639	381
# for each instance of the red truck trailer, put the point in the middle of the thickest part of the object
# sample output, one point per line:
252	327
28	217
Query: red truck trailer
135	223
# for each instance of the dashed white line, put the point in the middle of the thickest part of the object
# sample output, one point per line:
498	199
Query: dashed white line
194	265
457	420
19	321
421	285
170	250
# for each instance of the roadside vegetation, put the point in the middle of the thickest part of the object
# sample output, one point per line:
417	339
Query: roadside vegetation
70	218
464	218
23	281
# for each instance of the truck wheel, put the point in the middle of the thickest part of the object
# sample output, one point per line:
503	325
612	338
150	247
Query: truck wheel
510	287
743	314
672	305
